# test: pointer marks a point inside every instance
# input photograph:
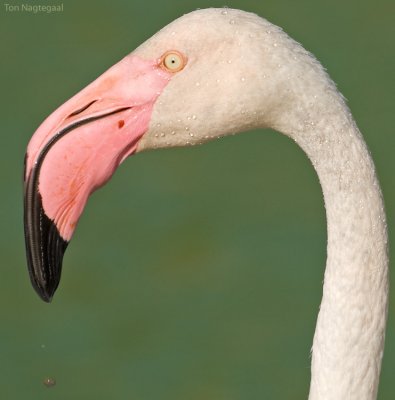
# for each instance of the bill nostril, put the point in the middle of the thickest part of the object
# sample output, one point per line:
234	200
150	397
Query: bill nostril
80	110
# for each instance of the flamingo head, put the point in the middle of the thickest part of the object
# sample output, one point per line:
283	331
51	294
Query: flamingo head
208	74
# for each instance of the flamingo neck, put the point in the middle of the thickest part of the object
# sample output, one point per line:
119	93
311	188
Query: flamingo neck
349	338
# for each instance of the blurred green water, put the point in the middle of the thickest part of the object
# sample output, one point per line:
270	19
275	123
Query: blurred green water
195	273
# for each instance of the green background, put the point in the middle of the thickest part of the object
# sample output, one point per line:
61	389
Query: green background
196	273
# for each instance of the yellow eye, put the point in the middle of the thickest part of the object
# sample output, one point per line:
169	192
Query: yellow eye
173	61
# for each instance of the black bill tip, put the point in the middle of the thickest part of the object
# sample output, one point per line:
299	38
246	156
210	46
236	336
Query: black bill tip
44	245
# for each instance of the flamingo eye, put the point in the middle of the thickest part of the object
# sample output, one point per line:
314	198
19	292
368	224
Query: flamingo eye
173	61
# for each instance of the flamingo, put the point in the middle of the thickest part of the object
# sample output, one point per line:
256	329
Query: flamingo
208	74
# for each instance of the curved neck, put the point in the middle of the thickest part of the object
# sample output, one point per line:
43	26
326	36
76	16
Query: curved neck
349	337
